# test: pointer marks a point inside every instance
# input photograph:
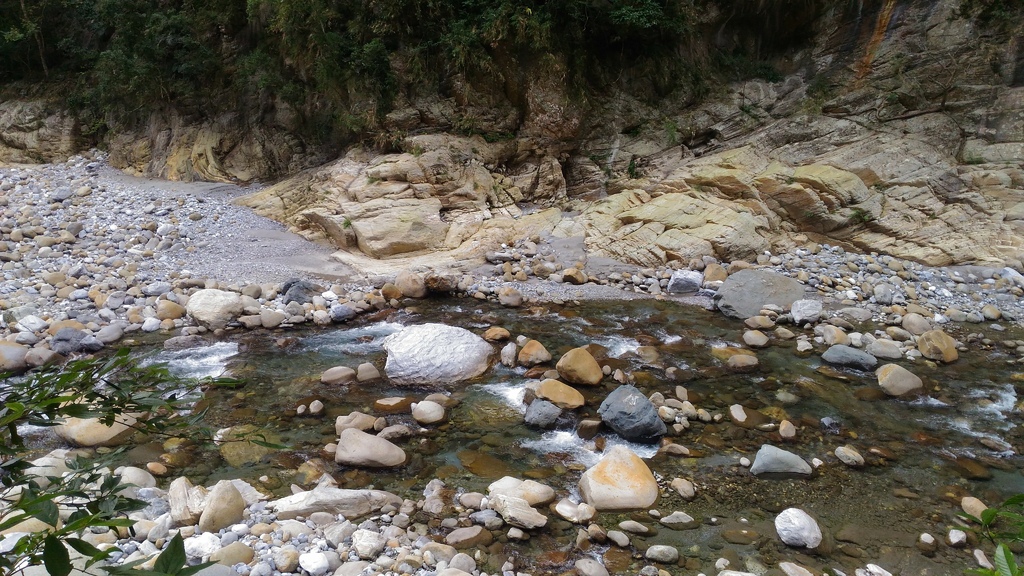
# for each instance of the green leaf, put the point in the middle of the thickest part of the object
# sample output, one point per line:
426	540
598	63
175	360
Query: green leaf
988	516
86	549
56	559
46	511
172	558
1005	564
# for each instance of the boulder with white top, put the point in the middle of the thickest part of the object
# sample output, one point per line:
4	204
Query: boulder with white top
435	354
214	308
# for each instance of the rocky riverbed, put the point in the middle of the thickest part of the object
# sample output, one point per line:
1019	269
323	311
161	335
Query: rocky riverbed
92	258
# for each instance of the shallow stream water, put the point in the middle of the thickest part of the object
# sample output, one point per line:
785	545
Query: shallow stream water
922	455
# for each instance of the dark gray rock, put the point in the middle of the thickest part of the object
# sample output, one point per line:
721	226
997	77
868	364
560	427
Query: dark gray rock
342	312
68	341
299	291
744	293
630	414
842	355
776	461
542	414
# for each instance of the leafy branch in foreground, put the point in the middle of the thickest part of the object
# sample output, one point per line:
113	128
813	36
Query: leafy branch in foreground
1001	525
54	507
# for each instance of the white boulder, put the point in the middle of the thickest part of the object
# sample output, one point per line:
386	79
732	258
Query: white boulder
435	354
796	528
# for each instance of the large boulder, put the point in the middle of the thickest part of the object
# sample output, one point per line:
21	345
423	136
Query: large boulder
68	341
578	366
745	293
559	394
620	481
224	507
388	226
685	282
435	354
357	448
351	504
12	357
90	432
896	380
937	345
629	413
214	308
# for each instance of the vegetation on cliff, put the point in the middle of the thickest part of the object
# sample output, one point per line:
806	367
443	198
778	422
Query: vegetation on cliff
342	64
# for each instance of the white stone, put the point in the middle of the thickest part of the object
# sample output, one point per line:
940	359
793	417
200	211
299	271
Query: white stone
530	490
427	412
368	544
796	528
791	569
849	456
870	570
517	512
804	311
315	563
435	354
202	545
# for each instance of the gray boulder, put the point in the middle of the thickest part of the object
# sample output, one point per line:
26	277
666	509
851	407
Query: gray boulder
342	312
542	414
685	282
299	291
630	414
744	293
842	355
435	354
772	461
68	341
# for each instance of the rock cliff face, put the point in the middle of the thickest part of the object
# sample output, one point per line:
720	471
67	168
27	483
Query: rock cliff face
898	127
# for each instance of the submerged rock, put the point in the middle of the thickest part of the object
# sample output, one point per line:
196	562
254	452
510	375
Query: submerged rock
435	354
630	414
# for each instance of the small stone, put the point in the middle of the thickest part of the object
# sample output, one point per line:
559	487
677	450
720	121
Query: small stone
662	553
849	456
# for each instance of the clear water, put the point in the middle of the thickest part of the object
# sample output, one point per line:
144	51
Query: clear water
485	437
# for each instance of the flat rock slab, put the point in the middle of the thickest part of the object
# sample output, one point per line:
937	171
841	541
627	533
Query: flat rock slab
746	292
